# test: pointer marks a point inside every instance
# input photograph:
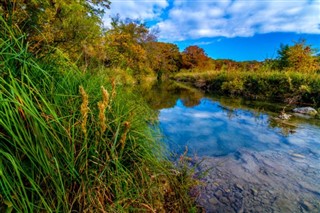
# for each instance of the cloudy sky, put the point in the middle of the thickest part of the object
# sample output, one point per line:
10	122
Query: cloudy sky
236	29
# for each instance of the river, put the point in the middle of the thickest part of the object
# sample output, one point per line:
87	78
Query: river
250	160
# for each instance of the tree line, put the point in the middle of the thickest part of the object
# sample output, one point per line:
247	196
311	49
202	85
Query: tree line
76	28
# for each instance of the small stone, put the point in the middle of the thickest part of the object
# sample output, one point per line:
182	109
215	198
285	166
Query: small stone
239	187
213	201
306	110
224	200
307	206
253	191
218	193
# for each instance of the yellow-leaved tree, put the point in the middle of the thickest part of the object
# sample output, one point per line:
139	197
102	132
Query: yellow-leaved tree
299	57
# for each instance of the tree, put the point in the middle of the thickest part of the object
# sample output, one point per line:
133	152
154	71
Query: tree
194	56
283	56
125	44
299	57
65	24
164	58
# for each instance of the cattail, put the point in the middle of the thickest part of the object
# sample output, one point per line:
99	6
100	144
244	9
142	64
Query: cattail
124	135
84	109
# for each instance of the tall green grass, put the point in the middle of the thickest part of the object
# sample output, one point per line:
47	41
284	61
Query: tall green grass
74	142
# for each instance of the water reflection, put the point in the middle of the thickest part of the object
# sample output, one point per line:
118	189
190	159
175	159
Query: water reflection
218	126
165	94
254	161
209	129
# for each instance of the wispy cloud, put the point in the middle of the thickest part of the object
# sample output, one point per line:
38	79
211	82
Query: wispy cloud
187	19
204	43
136	9
226	18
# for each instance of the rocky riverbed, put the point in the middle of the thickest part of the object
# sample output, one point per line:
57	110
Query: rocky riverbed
268	181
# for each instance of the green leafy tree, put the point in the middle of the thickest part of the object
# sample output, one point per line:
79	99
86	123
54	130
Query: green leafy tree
283	56
299	57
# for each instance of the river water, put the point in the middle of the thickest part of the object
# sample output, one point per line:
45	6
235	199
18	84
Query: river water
251	161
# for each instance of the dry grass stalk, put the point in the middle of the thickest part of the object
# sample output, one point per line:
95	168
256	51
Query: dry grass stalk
102	105
124	135
105	96
113	93
102	117
84	109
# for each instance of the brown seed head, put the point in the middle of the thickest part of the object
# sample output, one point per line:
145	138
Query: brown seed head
84	109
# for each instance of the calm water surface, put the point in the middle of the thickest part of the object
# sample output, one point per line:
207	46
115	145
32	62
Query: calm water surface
255	162
213	129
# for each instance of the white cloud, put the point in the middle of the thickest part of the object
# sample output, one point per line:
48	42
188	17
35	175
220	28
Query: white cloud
136	9
204	18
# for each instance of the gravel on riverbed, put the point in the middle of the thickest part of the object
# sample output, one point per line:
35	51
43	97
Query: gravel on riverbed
259	182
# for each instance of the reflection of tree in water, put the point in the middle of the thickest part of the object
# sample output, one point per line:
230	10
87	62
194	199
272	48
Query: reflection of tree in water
165	95
190	99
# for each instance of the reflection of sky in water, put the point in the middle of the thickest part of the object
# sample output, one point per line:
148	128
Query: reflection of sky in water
209	129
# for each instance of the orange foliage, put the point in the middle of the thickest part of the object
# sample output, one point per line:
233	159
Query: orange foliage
194	56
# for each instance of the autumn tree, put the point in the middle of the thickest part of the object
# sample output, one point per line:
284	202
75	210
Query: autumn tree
125	44
299	57
164	58
194	56
65	24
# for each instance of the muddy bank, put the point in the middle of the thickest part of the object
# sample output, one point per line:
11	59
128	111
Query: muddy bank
260	182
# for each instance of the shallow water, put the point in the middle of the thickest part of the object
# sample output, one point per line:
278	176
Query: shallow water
211	129
254	162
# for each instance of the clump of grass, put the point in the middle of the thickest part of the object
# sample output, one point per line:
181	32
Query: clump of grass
59	152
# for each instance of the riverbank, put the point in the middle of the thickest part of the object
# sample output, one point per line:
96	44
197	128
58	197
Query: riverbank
287	87
75	141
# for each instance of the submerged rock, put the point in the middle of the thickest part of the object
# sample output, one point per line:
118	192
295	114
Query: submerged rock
305	110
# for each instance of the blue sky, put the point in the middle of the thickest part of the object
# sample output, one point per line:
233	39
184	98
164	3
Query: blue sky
234	29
